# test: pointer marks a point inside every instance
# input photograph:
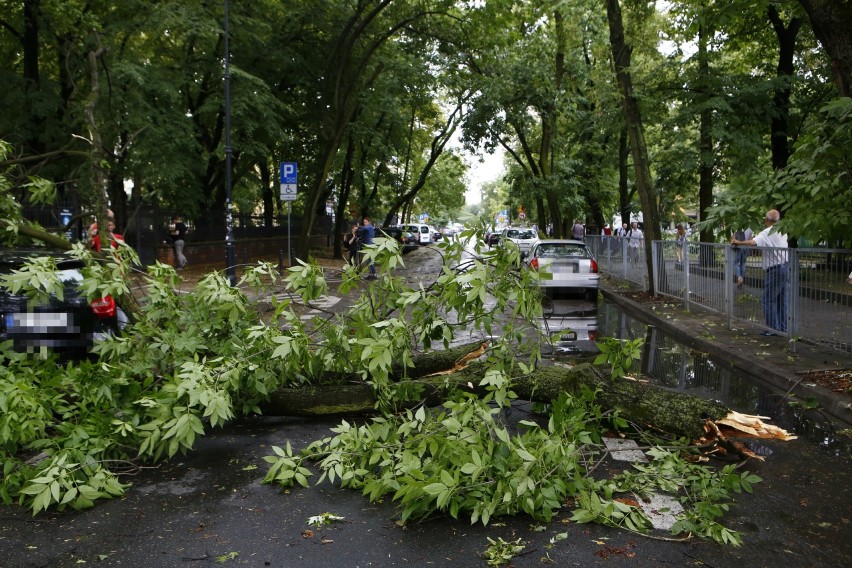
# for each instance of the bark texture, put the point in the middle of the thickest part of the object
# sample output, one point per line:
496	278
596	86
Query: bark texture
647	405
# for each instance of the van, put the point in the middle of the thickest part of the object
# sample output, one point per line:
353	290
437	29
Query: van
422	230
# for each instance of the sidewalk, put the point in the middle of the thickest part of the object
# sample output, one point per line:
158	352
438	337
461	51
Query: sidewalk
768	359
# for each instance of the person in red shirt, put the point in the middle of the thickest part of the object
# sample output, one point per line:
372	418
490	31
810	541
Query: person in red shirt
115	238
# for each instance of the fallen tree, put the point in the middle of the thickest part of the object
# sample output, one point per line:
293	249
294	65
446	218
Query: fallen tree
436	440
440	372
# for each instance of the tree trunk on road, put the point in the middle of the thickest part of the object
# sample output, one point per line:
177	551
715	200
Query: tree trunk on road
647	405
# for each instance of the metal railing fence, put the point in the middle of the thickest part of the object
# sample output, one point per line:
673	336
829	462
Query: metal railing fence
799	293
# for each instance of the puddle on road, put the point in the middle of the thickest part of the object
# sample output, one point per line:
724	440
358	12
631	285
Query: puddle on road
673	365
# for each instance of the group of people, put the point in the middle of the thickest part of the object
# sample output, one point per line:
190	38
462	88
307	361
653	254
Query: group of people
356	239
179	231
774	262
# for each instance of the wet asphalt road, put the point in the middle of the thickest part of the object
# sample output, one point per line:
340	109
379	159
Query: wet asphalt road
210	508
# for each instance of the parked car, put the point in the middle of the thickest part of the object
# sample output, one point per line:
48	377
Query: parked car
422	230
565	267
407	240
523	237
68	326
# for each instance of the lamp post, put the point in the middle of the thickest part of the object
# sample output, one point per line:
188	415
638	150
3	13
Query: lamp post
230	246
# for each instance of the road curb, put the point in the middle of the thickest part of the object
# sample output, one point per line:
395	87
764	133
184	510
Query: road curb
727	348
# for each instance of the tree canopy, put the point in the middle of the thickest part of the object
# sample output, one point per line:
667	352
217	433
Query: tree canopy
367	96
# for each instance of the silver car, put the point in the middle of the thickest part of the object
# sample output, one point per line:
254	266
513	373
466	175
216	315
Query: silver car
565	266
524	237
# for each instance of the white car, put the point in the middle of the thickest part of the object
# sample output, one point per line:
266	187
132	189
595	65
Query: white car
523	237
565	266
422	230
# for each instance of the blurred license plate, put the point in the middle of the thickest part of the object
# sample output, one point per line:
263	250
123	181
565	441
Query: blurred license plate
42	322
565	336
563	268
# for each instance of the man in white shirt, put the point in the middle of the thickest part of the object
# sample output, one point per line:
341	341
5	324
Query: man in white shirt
775	267
635	240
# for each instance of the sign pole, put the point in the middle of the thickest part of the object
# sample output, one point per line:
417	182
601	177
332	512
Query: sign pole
230	247
289	261
289	192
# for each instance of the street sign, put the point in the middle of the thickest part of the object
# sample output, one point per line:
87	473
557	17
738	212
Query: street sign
289	173
289	181
289	192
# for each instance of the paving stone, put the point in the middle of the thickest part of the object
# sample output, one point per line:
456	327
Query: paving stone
624	450
661	509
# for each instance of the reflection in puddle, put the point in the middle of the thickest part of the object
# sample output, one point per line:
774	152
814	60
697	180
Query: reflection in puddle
571	325
673	365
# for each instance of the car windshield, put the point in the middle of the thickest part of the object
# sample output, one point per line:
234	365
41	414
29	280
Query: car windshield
561	251
520	234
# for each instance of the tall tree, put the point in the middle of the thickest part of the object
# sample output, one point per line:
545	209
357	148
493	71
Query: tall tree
621	54
830	21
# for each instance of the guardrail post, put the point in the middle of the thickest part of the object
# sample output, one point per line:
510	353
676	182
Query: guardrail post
729	285
686	248
794	292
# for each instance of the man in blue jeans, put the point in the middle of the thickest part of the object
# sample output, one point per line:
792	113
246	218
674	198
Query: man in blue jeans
368	233
775	267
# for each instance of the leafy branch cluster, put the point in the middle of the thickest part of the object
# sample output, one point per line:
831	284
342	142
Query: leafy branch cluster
704	492
189	362
461	459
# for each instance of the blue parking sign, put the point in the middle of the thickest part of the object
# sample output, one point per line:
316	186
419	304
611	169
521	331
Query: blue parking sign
289	172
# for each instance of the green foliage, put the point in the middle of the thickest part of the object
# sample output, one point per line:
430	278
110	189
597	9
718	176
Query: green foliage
461	459
501	552
619	355
812	191
704	492
192	362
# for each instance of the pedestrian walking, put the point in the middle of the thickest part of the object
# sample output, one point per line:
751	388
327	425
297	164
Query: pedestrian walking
352	242
680	242
775	269
179	232
367	234
635	240
578	231
740	255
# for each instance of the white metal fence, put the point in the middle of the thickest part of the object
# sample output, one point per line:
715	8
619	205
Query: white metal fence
799	293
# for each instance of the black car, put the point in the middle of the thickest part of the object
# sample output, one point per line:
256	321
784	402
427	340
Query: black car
67	326
407	241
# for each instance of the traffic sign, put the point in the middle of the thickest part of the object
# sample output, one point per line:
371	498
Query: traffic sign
289	173
289	192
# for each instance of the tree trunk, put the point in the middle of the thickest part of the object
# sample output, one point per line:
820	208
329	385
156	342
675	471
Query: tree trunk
828	19
706	156
779	135
647	405
621	54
